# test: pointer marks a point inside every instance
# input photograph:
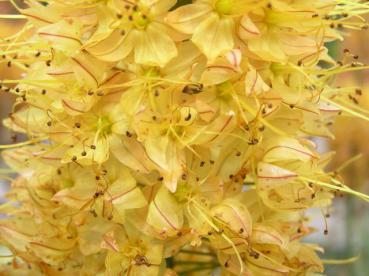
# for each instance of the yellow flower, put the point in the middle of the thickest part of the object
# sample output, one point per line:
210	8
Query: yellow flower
133	26
212	23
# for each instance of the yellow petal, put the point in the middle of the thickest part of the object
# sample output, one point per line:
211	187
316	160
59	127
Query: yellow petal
186	18
235	215
165	213
63	35
214	36
88	70
248	29
113	48
124	194
153	46
158	7
254	83
267	47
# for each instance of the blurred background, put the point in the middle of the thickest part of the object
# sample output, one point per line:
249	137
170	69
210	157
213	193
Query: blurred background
349	218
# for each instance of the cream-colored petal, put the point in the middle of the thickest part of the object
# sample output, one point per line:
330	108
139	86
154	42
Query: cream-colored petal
186	18
267	47
114	48
158	7
214	36
154	46
247	28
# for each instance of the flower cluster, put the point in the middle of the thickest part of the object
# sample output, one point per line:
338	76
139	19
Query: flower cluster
171	139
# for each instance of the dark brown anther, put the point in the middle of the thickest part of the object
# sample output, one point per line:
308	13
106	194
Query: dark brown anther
38	54
122	32
74	158
119	15
202	163
48	63
193	89
83	153
160	178
100	93
128	134
49	123
9	63
188	117
93	147
325	232
77	125
43	92
254	254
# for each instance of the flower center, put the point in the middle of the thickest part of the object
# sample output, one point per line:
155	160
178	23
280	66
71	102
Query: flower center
152	72
224	91
140	20
104	125
224	7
